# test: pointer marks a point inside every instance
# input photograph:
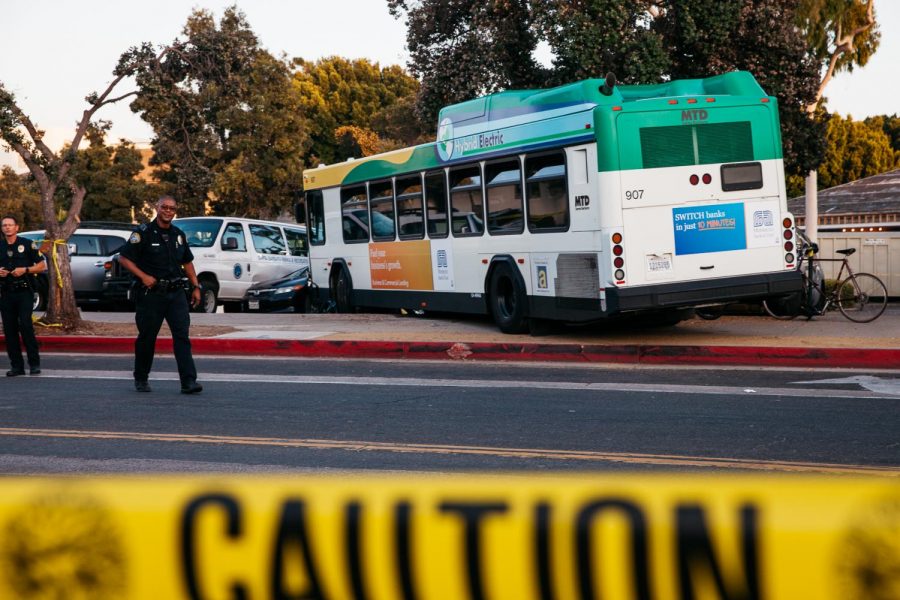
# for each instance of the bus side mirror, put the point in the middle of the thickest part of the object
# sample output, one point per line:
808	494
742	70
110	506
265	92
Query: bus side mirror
300	211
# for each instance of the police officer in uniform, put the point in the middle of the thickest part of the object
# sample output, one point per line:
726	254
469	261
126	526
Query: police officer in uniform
158	255
19	258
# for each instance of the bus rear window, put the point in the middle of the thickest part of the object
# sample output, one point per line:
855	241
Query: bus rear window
746	176
681	145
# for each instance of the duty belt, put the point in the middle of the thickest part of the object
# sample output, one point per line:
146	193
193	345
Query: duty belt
17	285
169	285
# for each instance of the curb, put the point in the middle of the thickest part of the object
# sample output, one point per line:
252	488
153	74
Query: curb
871	358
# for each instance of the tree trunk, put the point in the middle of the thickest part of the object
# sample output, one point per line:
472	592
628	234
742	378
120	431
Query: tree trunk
61	306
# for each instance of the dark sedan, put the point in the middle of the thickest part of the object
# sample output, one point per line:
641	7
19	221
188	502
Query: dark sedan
288	292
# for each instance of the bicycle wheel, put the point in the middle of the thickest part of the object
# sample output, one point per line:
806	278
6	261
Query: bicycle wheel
862	297
783	308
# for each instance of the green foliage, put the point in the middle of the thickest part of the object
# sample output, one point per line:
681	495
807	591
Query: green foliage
890	125
592	37
109	176
824	22
227	119
336	92
21	198
461	49
855	149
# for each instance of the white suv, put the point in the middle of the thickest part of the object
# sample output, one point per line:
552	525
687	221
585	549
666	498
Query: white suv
90	249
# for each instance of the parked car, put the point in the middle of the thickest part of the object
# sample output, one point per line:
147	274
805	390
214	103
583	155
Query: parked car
91	247
288	292
230	255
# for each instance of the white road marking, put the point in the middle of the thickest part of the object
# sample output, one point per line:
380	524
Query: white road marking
721	390
874	384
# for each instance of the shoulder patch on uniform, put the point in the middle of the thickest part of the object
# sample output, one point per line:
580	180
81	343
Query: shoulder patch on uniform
33	245
135	238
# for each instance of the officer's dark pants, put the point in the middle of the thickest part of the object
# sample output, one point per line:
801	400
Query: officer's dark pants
15	308
150	310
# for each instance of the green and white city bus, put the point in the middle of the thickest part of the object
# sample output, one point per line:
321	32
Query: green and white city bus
574	203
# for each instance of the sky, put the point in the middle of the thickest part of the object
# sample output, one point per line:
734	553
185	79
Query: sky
55	52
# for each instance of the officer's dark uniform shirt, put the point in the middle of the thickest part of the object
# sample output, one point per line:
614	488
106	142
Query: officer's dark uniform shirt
158	252
21	253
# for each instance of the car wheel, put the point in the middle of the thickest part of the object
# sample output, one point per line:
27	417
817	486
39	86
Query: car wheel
208	298
40	300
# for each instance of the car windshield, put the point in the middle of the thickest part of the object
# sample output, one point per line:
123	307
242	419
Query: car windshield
200	233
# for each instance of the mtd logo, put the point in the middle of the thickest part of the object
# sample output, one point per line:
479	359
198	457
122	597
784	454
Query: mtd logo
694	114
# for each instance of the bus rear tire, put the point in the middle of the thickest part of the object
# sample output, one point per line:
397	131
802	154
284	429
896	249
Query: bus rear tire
508	300
343	291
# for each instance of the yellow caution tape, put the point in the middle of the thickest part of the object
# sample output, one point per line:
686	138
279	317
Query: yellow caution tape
55	255
451	537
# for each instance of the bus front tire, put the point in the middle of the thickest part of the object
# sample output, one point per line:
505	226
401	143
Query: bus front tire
343	291
508	300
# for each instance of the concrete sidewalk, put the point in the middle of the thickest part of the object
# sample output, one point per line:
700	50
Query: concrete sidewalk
828	341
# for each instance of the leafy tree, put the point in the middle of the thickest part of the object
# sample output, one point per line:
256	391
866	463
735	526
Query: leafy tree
357	141
337	92
840	34
461	49
890	124
53	171
592	37
855	149
109	174
227	120
18	197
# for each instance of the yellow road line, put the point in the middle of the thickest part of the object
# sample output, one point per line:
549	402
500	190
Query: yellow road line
575	455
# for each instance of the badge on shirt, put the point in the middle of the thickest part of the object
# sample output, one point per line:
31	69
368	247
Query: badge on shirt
179	241
21	248
135	238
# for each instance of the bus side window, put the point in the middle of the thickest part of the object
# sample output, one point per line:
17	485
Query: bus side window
355	214
381	203
545	187
466	201
503	181
436	204
410	214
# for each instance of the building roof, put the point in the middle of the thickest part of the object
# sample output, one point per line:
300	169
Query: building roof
878	194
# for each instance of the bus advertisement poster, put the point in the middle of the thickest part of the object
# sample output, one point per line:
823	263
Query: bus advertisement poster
716	228
405	266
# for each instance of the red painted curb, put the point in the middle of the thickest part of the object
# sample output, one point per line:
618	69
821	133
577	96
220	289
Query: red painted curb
872	358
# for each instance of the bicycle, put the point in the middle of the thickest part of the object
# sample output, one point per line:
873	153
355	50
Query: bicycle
861	297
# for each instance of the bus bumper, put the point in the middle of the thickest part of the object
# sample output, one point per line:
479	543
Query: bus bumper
729	289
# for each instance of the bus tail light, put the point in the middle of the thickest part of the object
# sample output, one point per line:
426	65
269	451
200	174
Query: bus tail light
619	260
787	233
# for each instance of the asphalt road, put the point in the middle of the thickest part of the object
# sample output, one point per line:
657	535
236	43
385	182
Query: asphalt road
264	414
